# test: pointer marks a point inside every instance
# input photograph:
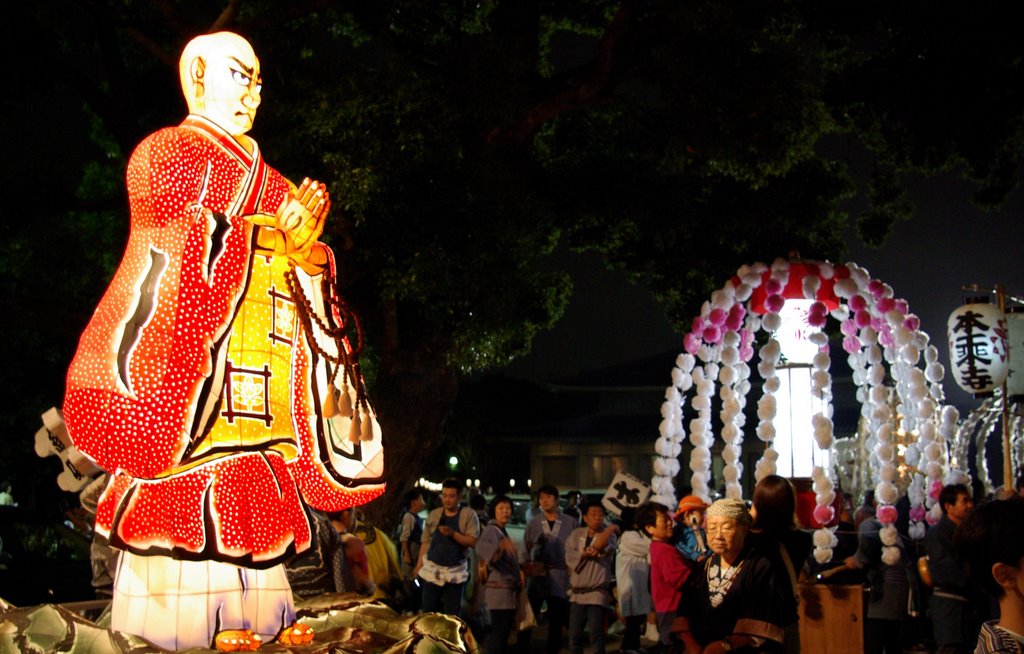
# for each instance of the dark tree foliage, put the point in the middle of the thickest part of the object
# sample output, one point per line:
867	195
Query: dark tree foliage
464	141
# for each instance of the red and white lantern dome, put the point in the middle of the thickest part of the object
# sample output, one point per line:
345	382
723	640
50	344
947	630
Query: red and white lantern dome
884	344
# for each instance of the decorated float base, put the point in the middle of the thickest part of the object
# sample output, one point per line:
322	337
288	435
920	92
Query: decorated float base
342	623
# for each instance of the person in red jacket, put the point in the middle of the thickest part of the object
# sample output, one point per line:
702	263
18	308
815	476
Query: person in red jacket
669	570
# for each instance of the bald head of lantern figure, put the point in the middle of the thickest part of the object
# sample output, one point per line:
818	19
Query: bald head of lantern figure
220	77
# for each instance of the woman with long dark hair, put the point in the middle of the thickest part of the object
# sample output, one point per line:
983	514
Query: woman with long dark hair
777	533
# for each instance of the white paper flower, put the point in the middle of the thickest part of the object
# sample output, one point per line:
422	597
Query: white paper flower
890	555
888	535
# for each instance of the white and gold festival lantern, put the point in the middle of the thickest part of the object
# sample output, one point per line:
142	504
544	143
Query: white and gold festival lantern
977	346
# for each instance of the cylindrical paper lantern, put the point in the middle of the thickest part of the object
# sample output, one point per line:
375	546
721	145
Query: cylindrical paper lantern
977	346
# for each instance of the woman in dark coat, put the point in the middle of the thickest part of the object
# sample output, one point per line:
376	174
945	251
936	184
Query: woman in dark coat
734	601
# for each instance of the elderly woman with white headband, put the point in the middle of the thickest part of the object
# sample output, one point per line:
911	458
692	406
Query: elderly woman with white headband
733	601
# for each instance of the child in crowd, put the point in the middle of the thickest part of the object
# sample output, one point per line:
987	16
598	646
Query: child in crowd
991	542
590	579
632	580
689	530
669	570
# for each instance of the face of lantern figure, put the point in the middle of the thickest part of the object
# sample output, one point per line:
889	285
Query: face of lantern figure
221	80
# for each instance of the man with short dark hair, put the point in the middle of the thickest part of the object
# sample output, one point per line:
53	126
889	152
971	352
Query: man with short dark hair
450	531
591	570
542	556
991	542
954	618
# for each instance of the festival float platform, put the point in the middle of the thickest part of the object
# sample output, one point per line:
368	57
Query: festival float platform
342	624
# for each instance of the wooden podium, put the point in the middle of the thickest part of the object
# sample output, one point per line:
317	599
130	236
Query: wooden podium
832	618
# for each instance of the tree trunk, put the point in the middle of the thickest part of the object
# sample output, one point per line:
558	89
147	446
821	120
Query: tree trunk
413	398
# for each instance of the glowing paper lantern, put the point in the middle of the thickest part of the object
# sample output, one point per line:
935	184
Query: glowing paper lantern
795	286
977	346
215	381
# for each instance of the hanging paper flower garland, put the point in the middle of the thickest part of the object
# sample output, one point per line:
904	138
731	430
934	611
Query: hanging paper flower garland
879	334
977	428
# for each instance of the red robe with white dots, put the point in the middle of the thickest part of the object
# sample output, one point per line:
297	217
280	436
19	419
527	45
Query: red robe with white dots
195	382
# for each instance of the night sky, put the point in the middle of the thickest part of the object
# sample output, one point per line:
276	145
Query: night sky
948	243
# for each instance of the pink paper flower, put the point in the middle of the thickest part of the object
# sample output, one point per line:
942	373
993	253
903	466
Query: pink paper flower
736	315
912	322
697	325
862	319
712	334
817	319
886	304
774	303
691	343
824	514
773	286
851	344
876	288
918	513
902	306
887	514
848	327
935	489
858	303
717	317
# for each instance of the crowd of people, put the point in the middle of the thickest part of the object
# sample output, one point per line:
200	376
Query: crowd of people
712	578
695	578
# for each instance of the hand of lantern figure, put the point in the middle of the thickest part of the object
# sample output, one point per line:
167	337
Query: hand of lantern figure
302	214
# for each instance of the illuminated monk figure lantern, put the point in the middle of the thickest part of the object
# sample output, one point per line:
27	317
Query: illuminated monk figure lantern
977	346
215	380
